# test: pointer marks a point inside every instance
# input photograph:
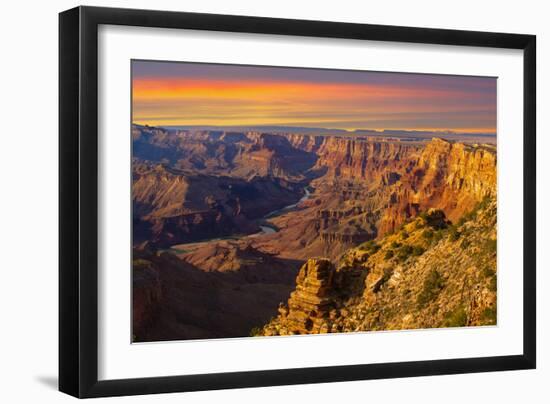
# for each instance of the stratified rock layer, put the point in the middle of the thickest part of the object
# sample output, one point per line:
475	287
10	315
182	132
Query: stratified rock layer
430	274
172	206
220	182
320	289
388	219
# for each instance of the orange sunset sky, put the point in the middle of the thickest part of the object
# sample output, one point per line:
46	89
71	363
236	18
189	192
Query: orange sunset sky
184	94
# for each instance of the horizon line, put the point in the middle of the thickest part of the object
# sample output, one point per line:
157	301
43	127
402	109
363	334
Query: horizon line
381	131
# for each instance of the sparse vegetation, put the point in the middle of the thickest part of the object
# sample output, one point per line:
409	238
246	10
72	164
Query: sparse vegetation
435	218
483	204
472	215
389	254
454	234
491	246
438	235
489	316
417	250
404	252
428	234
456	318
433	283
370	246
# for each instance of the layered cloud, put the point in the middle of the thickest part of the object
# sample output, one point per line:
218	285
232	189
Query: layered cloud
168	93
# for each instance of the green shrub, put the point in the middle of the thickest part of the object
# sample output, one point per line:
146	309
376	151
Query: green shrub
436	219
433	283
489	316
454	234
404	252
491	246
467	217
483	204
389	254
369	246
406	222
456	318
472	215
395	244
417	250
388	272
428	234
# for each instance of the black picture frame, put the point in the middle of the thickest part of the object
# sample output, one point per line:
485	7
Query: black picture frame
78	201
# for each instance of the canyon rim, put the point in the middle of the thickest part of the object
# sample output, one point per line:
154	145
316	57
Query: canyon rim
286	201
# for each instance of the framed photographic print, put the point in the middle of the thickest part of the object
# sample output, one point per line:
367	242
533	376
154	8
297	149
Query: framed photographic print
251	201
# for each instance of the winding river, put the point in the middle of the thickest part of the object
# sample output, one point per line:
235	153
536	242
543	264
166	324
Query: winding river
265	227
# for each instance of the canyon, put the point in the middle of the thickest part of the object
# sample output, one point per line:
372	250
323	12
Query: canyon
239	233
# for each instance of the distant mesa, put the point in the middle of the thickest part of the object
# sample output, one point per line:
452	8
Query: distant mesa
395	134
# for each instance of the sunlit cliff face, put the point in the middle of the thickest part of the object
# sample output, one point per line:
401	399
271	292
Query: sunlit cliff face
171	94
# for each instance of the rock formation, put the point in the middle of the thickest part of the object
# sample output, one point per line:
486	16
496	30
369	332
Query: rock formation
429	274
402	182
316	302
391	218
172	206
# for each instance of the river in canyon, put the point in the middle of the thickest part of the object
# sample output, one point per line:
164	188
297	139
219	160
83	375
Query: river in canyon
268	229
265	227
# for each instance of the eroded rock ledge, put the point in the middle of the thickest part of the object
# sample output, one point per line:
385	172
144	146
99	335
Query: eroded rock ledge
431	273
312	307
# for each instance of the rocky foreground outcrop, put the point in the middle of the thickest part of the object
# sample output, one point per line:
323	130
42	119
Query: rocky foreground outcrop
319	289
429	274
